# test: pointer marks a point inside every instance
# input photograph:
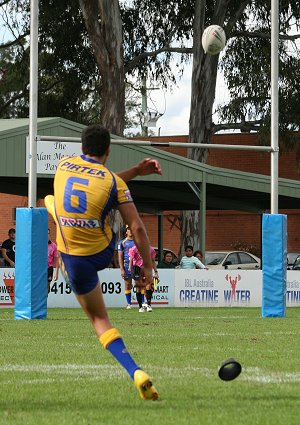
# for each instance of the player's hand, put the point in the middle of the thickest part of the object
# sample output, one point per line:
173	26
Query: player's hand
148	166
147	276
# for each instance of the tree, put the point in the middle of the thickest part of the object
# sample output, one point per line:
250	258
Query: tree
139	38
251	112
247	26
132	38
68	76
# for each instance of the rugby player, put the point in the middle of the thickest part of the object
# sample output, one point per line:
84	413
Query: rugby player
84	193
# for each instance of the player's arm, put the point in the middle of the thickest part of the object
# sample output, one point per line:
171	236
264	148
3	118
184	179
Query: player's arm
131	217
6	258
199	264
143	168
121	263
130	264
154	267
56	266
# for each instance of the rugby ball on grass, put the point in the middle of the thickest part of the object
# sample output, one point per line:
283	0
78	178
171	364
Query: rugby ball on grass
213	39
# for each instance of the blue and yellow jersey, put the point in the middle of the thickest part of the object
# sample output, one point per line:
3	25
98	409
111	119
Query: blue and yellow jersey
84	193
124	246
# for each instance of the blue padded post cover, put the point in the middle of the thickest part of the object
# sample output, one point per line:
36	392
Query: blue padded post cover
31	265
274	265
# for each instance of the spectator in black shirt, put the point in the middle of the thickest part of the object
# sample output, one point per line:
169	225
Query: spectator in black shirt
8	249
167	262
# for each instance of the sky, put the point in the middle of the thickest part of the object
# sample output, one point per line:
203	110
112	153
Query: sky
175	105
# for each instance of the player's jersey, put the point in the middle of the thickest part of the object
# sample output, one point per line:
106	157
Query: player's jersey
52	253
137	259
124	246
84	193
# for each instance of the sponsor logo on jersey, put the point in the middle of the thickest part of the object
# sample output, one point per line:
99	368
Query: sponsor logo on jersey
88	223
127	195
81	169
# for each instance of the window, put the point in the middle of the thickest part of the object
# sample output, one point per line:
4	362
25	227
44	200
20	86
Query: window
233	258
246	258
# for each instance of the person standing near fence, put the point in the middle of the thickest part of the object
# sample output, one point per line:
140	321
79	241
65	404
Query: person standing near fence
189	261
167	261
123	253
8	249
136	267
52	260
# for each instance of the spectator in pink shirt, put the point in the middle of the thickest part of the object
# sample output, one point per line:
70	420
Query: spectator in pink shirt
52	260
136	268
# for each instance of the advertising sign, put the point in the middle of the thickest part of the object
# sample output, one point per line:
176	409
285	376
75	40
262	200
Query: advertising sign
7	287
112	285
179	288
293	289
218	288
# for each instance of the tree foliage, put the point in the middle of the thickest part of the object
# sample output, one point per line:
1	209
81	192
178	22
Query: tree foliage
249	75
151	33
246	64
68	78
88	54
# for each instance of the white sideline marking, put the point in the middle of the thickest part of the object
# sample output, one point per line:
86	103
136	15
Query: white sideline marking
281	333
258	375
54	367
74	372
208	334
220	317
61	373
248	374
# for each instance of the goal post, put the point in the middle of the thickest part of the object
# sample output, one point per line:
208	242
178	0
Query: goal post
31	264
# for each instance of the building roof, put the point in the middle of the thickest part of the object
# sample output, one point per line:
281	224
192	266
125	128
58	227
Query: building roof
179	188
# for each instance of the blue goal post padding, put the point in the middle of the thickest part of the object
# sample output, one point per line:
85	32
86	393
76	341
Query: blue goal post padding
31	265
274	265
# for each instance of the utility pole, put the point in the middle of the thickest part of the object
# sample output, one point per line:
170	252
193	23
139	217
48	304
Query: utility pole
144	106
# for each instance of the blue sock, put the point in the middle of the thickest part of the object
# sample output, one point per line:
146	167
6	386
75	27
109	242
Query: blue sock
119	351
143	297
128	297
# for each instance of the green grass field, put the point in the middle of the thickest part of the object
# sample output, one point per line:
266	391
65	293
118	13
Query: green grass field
55	372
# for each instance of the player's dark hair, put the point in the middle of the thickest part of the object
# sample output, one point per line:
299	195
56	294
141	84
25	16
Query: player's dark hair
188	247
95	140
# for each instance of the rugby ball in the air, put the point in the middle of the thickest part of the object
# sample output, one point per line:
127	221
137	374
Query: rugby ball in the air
213	39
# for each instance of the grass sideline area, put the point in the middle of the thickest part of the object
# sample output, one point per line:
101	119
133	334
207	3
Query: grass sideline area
54	371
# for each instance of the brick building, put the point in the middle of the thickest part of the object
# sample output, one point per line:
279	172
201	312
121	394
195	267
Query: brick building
224	229
227	229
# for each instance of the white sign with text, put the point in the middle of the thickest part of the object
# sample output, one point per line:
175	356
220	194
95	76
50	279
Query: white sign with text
112	285
50	153
177	288
218	288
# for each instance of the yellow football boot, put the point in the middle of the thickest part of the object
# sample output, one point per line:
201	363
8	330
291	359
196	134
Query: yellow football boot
144	385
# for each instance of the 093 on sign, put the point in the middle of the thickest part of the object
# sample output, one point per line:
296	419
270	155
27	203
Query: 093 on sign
60	288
